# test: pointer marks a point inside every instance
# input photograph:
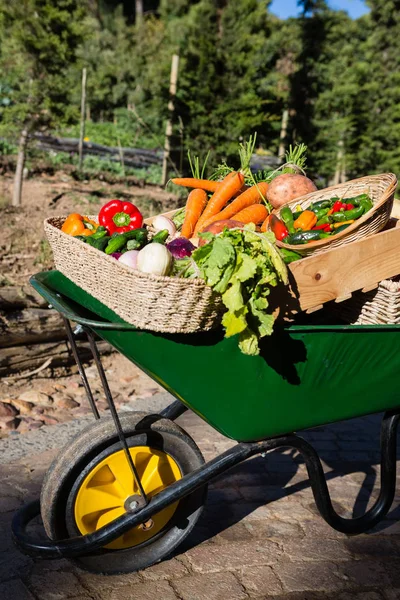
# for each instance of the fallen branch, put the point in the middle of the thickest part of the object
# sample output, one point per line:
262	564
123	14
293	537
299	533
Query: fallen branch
30	373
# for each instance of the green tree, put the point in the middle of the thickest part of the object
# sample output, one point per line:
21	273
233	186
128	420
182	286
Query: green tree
379	92
39	39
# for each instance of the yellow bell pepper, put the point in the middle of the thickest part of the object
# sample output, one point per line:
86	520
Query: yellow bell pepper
76	224
305	221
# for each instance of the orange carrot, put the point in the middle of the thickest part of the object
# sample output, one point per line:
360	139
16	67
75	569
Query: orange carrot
202	184
229	186
195	205
251	196
264	226
257	213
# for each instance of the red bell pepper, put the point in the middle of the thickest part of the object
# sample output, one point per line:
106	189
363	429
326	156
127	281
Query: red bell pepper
349	206
278	228
120	216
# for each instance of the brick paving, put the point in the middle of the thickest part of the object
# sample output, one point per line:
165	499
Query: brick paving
259	537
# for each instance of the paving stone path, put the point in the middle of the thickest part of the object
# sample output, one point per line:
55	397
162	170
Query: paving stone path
259	537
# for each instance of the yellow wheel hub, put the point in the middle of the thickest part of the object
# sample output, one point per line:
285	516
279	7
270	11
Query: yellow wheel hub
102	495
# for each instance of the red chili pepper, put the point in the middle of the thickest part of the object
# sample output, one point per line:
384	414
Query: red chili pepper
120	216
338	206
349	206
325	227
278	228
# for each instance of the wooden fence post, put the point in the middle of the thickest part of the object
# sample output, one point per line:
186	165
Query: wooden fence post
282	140
82	128
17	190
168	129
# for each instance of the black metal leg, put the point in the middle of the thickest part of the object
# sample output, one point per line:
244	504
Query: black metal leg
388	482
114	414
174	410
81	368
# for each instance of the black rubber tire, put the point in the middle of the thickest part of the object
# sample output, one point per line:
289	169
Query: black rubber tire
84	452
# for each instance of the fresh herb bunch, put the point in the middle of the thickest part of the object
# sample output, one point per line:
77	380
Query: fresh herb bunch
242	265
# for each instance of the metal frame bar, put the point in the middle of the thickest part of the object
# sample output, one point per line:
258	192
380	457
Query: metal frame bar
174	410
90	543
81	368
142	500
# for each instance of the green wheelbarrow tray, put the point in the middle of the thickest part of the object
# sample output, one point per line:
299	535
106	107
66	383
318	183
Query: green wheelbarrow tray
305	375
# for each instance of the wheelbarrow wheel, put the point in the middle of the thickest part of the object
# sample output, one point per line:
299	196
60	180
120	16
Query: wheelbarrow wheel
88	484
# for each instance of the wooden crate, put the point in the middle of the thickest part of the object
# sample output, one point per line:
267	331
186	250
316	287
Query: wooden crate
337	273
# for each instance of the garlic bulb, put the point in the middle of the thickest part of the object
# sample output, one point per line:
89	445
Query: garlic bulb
154	258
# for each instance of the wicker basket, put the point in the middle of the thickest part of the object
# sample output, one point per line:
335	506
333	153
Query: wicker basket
381	189
164	304
380	306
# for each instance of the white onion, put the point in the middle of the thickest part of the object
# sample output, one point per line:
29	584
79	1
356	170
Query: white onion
154	258
129	258
159	223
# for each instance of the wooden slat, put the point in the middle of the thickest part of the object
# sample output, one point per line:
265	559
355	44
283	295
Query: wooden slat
314	309
369	288
343	298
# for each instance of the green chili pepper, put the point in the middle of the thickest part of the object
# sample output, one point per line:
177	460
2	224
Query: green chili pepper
354	214
321	212
297	214
348	215
366	204
357	199
303	237
324	221
161	236
322	204
289	256
287	217
100	233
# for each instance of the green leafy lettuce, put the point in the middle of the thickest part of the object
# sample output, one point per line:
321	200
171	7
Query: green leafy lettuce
242	265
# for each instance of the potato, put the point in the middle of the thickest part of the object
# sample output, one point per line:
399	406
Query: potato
219	226
287	187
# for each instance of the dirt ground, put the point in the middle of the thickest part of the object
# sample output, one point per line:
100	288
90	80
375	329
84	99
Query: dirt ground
23	246
56	395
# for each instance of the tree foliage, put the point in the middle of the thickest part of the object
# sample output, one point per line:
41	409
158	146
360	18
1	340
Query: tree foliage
39	41
240	68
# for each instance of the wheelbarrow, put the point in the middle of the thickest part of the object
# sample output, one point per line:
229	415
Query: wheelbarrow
126	491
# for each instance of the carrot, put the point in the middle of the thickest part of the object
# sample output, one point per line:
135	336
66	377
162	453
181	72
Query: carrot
257	213
202	184
195	205
245	199
232	183
264	226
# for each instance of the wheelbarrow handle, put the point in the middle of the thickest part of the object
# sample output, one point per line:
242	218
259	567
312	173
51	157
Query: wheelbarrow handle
66	307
